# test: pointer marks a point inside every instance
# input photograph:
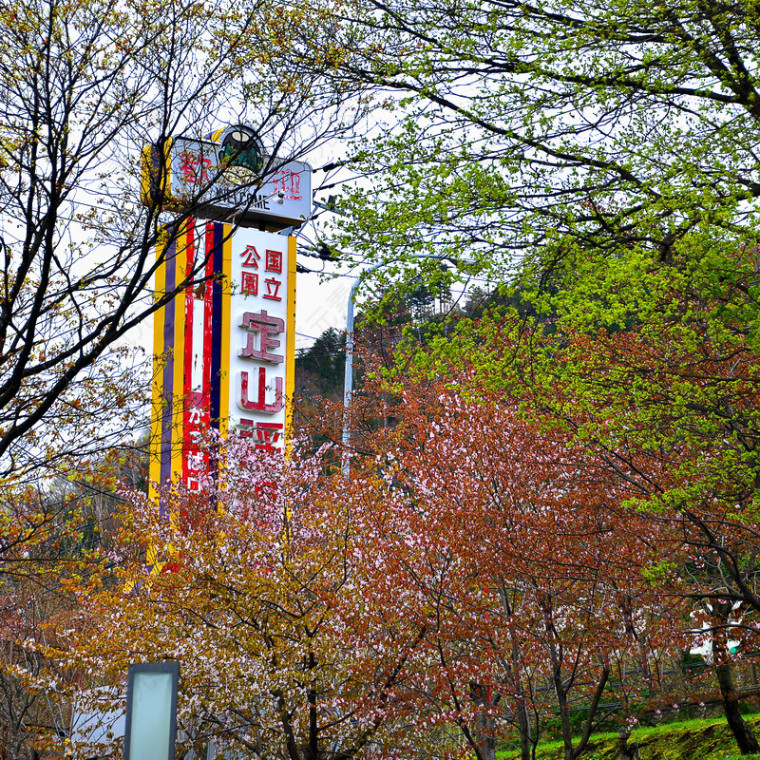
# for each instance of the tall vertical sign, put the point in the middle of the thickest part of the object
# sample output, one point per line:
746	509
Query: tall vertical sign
225	350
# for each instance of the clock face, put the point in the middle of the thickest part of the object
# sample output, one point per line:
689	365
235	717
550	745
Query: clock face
241	153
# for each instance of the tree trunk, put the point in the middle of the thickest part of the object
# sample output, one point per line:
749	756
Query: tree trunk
484	723
741	731
564	711
523	725
622	744
626	751
724	672
522	715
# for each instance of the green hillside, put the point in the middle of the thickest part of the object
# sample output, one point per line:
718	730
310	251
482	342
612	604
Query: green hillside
708	739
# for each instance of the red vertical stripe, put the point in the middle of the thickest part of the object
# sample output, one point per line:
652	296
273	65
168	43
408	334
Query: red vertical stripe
187	385
208	310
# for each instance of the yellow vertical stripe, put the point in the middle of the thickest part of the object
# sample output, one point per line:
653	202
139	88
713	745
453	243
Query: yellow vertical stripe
226	379
290	342
178	304
158	373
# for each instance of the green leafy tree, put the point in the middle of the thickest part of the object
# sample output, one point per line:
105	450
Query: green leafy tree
529	129
525	139
603	156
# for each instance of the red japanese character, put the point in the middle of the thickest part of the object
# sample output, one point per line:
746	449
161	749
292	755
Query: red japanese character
251	257
273	289
289	184
260	404
295	186
194	168
266	433
266	327
245	428
274	261
249	283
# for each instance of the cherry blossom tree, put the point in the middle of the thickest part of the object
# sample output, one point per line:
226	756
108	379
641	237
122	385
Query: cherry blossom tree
536	583
255	587
663	407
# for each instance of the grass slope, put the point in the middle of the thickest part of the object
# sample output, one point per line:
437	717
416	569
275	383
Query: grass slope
691	740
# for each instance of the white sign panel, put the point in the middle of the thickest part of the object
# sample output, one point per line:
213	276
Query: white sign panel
263	339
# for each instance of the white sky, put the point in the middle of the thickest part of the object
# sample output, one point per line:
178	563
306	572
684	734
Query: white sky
319	305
